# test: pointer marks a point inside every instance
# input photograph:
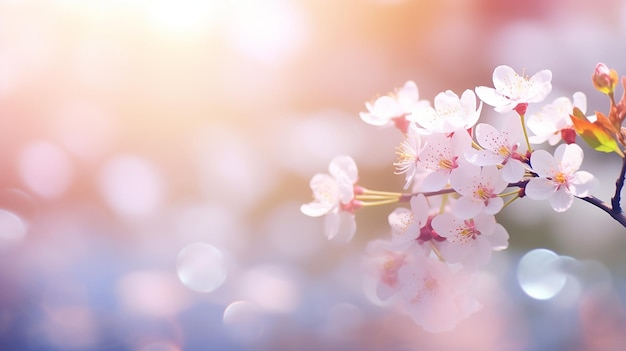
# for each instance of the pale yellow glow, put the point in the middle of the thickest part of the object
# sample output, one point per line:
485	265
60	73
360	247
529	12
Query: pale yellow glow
183	17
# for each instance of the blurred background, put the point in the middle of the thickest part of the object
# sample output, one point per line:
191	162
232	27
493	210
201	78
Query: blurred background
154	155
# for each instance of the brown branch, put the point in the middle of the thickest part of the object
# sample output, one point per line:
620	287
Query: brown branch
617	215
619	184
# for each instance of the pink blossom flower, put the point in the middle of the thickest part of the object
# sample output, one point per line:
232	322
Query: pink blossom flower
506	147
514	92
470	241
408	153
441	156
553	123
382	263
479	188
434	295
392	109
406	225
333	195
450	113
558	178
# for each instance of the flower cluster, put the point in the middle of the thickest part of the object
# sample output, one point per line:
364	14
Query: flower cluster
462	174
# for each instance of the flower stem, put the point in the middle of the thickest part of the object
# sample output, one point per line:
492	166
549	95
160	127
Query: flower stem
376	197
516	192
408	196
436	251
521	117
381	202
376	192
511	200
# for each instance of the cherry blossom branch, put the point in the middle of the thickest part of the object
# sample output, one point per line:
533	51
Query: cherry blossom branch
618	215
407	196
619	184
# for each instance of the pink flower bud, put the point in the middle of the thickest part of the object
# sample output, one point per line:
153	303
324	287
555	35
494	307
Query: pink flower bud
568	135
604	79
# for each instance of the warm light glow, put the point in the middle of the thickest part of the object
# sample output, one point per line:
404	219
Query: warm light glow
182	17
269	31
85	129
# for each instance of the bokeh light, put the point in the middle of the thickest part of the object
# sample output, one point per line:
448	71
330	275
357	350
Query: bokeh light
244	321
12	229
202	267
46	169
540	275
131	186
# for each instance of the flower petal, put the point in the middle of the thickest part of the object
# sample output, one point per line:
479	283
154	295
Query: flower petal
491	97
499	238
466	207
340	226
489	137
345	165
569	156
543	163
562	200
316	209
494	205
539	188
504	78
583	183
419	207
513	171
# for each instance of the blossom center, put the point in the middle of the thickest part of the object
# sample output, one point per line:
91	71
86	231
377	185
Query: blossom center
521	82
406	157
390	269
560	178
484	193
469	231
504	151
429	287
326	194
448	164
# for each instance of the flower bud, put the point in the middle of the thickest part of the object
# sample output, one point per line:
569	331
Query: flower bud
604	79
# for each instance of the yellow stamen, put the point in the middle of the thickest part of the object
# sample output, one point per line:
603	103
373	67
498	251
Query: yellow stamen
446	164
560	178
504	151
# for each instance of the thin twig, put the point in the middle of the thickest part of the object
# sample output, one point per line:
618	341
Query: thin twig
619	184
407	196
617	215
